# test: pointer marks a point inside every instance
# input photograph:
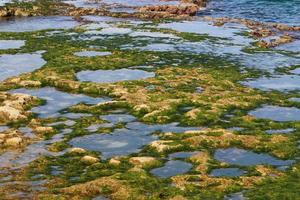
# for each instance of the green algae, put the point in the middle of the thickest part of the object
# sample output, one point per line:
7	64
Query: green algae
174	90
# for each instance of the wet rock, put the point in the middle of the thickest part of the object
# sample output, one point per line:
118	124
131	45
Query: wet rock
189	9
89	159
284	39
261	33
142	161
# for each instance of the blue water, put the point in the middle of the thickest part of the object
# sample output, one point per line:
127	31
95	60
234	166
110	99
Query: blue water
280	11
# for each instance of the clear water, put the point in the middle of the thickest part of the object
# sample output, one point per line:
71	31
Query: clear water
283	11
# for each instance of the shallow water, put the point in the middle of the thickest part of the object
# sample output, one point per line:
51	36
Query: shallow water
227	172
292	47
171	168
3	128
14	159
118	118
296	71
171	127
235	196
280	131
26	24
126	140
118	143
140	2
205	28
92	53
182	155
276	113
111	76
281	83
153	35
11	44
294	99
122	3
14	65
56	100
243	157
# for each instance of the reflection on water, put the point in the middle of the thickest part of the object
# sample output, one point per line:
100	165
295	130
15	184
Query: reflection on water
243	157
92	53
111	76
281	83
227	172
11	44
276	113
13	65
25	24
172	168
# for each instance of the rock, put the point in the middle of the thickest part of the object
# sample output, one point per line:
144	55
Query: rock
30	83
77	150
10	114
21	13
89	159
183	10
114	161
143	161
160	145
14	142
178	197
13	105
42	129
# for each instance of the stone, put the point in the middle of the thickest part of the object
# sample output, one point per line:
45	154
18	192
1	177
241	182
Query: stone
77	150
142	161
89	159
114	161
14	142
30	83
42	129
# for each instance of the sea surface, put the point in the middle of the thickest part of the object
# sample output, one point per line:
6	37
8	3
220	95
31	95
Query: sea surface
280	11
